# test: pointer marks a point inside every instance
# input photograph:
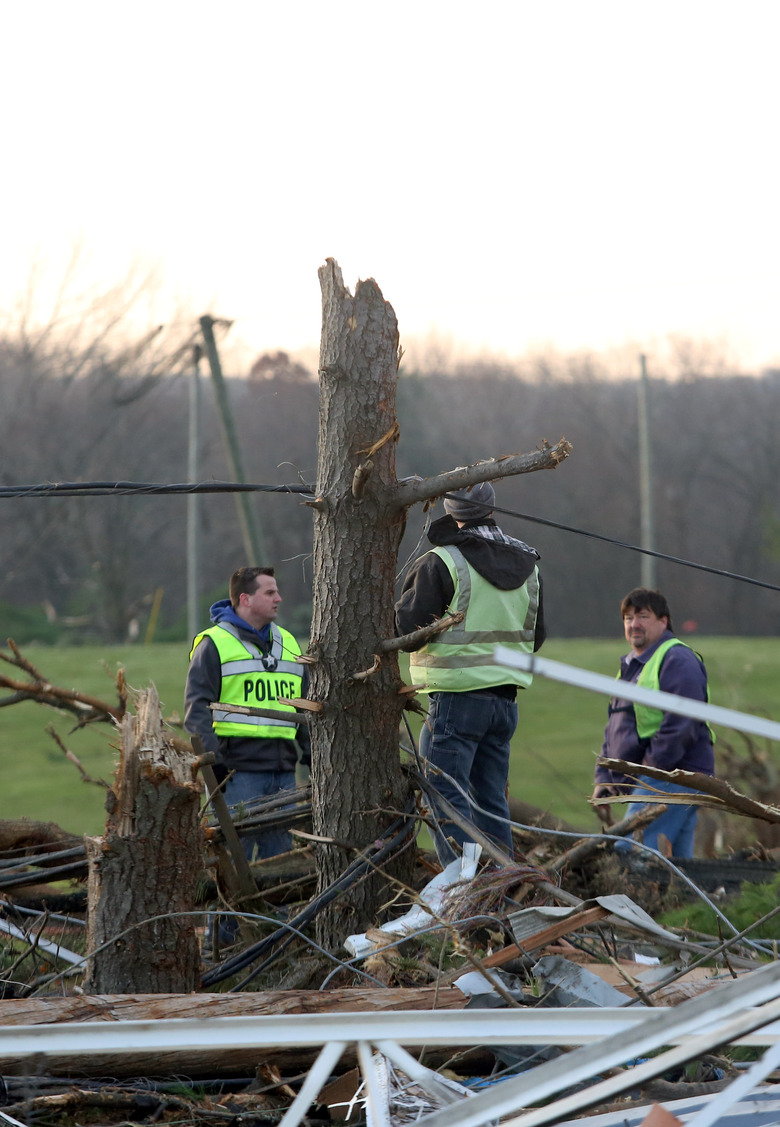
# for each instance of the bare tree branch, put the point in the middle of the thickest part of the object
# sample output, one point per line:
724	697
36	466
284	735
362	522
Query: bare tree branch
86	708
546	458
85	778
715	793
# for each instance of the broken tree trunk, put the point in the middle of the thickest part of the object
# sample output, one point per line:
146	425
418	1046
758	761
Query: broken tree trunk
359	517
358	787
146	866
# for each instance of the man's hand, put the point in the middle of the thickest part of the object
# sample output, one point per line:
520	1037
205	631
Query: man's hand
603	813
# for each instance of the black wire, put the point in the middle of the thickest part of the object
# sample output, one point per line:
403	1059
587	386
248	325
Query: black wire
393	836
642	551
364	865
128	488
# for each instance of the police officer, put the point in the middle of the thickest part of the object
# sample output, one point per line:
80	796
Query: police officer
245	658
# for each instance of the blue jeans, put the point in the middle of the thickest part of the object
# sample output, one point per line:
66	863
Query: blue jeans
678	824
244	786
467	735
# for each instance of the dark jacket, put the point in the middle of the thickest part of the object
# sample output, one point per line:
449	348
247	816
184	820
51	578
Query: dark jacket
681	742
428	588
204	685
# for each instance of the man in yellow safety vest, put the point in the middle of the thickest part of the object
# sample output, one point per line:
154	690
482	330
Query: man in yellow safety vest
640	734
476	568
245	658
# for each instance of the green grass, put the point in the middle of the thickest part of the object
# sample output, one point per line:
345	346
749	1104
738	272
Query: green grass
554	749
38	781
753	903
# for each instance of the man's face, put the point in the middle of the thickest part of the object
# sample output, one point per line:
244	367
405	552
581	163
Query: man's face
260	607
643	628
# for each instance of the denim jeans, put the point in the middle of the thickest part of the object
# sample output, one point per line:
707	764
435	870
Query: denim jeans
244	786
467	735
678	824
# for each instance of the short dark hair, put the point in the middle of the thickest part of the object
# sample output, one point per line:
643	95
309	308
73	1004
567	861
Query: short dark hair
643	598
244	582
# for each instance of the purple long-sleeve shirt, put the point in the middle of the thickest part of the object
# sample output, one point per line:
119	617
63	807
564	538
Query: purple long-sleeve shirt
680	742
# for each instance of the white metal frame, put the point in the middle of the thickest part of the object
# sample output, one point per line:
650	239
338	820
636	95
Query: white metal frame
608	686
744	1011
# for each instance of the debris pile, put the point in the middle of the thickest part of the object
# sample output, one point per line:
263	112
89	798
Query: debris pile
469	988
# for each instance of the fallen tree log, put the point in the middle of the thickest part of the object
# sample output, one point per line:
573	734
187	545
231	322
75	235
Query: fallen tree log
21	834
135	1007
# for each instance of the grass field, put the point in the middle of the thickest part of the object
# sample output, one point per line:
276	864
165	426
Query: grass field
554	748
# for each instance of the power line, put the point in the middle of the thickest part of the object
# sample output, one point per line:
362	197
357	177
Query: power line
131	488
642	551
128	488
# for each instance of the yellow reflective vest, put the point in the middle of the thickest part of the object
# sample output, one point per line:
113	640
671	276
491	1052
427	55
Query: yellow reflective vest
648	719
461	659
258	680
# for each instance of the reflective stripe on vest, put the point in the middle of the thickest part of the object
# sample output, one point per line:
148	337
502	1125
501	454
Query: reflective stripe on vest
252	678
461	658
648	719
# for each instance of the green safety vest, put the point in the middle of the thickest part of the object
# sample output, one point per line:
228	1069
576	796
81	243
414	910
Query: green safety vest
648	719
252	678
461	659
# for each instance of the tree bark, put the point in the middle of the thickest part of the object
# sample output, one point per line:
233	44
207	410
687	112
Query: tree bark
145	866
356	774
359	518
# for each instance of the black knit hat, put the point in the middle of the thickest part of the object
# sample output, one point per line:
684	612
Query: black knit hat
472	503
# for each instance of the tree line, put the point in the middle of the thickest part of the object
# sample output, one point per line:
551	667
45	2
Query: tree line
89	568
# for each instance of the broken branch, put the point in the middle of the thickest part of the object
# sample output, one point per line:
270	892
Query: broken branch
366	673
584	848
360	478
85	778
419	637
715	793
409	492
271	713
86	708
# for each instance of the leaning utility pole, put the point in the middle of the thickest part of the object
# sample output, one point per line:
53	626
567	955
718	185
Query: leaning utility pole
645	480
249	532
193	499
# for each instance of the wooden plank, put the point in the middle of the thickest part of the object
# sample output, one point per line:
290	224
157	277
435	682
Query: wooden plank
138	1007
545	936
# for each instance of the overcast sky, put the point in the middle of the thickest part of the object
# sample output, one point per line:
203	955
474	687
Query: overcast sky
581	174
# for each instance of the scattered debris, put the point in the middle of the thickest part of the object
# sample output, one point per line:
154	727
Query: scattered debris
556	930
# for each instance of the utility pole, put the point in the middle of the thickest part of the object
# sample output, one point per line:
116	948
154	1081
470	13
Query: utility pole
193	499
647	536
249	532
